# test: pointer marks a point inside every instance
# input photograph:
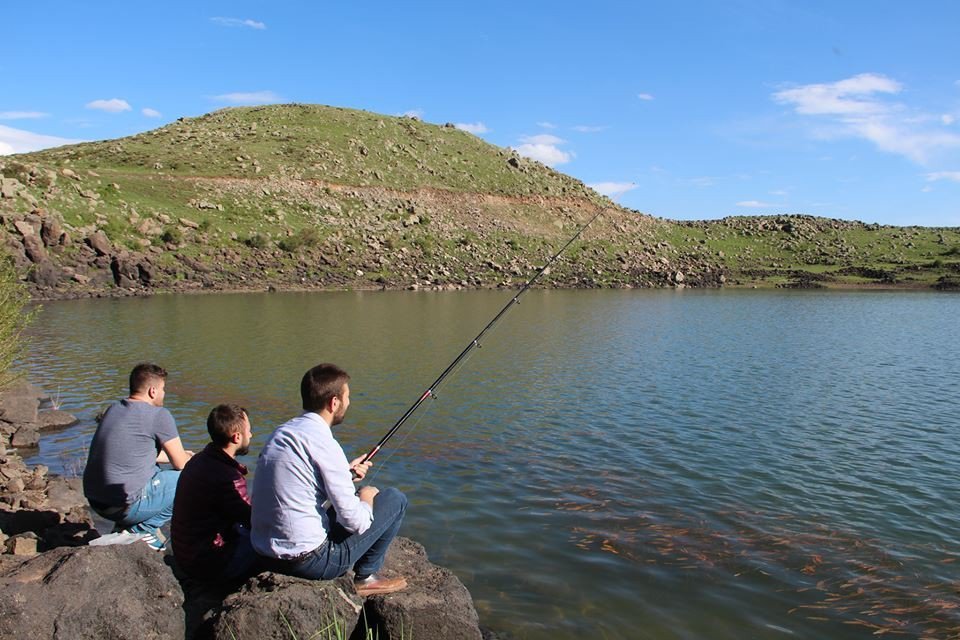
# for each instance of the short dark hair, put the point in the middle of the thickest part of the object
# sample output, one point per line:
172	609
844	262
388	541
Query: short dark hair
144	374
321	384
224	421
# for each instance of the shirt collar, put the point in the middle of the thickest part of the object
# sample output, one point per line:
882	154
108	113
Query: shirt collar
219	454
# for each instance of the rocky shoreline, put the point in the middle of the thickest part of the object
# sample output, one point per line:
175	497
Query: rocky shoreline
54	585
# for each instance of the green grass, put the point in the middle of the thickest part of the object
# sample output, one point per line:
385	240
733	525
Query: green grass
307	180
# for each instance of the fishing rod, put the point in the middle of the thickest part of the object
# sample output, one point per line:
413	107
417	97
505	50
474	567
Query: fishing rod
474	343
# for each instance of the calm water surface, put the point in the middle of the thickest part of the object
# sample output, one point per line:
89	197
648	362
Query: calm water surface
611	464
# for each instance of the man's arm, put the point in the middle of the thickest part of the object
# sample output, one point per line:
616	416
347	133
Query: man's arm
174	453
353	514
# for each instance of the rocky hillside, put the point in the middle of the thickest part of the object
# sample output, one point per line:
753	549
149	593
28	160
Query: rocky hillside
320	197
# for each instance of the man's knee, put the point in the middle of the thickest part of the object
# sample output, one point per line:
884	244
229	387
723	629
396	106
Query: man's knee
392	496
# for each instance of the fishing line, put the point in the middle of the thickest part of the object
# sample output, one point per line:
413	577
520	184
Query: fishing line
476	341
414	426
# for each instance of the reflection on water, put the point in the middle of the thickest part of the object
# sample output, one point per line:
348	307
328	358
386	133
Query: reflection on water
610	464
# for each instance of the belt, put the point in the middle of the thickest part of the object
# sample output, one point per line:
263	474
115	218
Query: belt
299	557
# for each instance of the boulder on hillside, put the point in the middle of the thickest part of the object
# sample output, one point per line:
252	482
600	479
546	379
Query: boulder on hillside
9	187
104	593
52	233
125	272
25	228
34	249
45	274
98	242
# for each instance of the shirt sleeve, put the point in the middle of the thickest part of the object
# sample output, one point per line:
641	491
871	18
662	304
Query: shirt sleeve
165	427
353	514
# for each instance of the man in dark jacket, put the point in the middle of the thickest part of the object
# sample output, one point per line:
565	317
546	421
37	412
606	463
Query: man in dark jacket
211	512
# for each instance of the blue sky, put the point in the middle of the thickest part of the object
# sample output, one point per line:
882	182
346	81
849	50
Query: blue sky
694	110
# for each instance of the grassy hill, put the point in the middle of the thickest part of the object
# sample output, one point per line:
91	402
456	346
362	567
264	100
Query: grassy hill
314	196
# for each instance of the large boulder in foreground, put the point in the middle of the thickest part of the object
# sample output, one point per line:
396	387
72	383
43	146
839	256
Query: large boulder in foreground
434	606
103	593
271	606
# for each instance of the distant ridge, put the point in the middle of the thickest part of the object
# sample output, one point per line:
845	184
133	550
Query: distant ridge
310	196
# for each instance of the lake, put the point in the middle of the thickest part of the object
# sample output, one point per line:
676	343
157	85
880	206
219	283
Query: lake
610	464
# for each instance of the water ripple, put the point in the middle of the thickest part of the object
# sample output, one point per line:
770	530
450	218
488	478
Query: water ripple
614	464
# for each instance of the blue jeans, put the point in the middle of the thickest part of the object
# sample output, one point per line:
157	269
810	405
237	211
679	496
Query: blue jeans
153	509
364	552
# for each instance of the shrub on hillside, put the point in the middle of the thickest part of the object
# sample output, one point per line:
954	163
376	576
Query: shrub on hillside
172	235
257	241
13	299
303	238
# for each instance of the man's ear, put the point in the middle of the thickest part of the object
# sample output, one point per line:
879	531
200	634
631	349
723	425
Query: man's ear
152	392
236	437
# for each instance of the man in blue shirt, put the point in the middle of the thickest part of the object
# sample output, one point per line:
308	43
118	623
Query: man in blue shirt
302	470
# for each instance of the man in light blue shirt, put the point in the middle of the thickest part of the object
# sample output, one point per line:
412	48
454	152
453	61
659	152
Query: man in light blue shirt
308	521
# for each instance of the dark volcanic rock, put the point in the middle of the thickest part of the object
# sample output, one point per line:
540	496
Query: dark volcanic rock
273	606
435	605
33	248
52	233
125	272
106	593
46	275
147	273
98	242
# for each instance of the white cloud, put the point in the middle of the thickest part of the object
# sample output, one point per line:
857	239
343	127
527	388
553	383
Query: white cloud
413	113
547	125
150	113
854	107
249	98
545	148
542	138
22	115
476	128
755	204
953	176
613	189
852	96
20	141
778	192
545	153
237	22
645	96
114	105
926	189
583	128
948	119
